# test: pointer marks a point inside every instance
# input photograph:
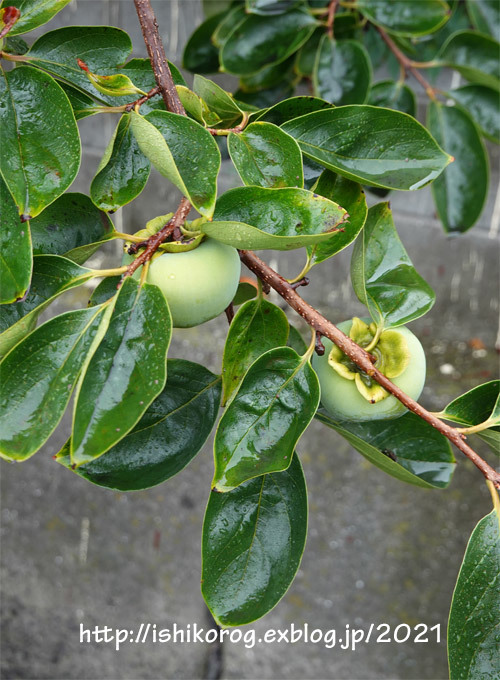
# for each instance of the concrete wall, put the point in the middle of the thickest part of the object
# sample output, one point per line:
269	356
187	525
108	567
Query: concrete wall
378	550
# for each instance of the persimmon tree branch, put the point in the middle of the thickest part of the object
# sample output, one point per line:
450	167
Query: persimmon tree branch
270	278
407	64
154	45
360	357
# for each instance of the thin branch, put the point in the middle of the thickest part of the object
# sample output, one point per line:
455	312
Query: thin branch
154	45
407	63
139	102
360	357
331	17
155	241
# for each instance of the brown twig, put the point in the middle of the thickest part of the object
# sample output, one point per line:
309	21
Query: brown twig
331	17
155	241
154	45
360	357
229	312
139	102
271	278
407	63
319	347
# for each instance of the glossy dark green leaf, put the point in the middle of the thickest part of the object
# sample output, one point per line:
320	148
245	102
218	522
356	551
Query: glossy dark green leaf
407	448
233	18
312	172
269	77
268	7
82	104
367	144
126	373
296	341
266	156
171	142
485	16
352	198
473	55
52	275
264	99
34	13
383	276
123	171
218	100
15	249
253	540
37	378
280	219
477	406
168	436
473	639
105	290
260	41
306	56
258	432
392	94
40	141
245	291
293	108
102	48
482	105
460	192
200	55
342	71
71	226
15	45
406	18
141	73
257	327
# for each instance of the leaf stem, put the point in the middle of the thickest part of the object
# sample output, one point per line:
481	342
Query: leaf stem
361	358
223	132
305	270
117	271
127	237
477	428
408	64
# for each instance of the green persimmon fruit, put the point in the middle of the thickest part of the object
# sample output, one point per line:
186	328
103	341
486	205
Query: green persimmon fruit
343	397
199	284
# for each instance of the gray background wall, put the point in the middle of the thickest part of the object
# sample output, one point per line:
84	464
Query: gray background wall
378	550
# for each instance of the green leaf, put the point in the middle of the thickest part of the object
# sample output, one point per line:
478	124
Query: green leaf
52	275
211	7
253	539
383	276
267	7
306	56
477	406
34	13
126	373
352	198
296	341
196	107
293	108
474	621
259	41
406	18
269	77
407	448
258	432
104	291
485	16
102	48
245	291
115	85
370	145
15	45
140	71
123	171
40	141
171	142
473	55
82	104
233	19
168	436
266	156
71	226
200	55
15	250
342	71
37	378
278	219
482	105
218	101
392	94
460	192
257	327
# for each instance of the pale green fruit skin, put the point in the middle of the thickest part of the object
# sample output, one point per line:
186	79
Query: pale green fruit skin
199	284
341	398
